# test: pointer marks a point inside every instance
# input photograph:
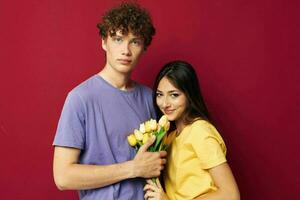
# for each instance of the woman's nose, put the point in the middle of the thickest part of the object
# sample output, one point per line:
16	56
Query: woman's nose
166	103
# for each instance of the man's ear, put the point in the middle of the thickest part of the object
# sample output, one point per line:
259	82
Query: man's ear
104	44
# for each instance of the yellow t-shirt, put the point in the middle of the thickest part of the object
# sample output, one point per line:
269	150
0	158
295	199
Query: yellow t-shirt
198	148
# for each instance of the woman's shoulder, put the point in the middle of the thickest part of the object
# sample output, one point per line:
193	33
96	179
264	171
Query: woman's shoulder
203	128
201	124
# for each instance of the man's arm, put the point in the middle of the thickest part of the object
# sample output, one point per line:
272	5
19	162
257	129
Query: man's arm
70	175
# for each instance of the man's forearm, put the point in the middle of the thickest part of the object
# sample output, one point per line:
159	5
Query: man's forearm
69	175
80	176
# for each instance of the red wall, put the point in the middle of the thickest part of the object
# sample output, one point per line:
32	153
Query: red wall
244	52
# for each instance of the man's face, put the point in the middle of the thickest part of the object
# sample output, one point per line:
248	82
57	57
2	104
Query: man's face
123	51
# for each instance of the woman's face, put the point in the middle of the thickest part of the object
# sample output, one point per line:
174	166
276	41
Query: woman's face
170	100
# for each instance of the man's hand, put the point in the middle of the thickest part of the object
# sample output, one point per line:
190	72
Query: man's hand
148	164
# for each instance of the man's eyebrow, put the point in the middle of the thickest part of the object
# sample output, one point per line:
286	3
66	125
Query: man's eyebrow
117	35
137	38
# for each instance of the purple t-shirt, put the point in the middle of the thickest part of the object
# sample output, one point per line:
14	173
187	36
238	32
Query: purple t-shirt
97	118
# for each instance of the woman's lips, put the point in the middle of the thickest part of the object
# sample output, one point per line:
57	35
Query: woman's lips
168	112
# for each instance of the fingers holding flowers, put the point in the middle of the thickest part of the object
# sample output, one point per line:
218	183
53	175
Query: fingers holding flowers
149	164
154	191
149	141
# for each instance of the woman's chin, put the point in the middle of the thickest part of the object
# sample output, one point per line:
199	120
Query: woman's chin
170	117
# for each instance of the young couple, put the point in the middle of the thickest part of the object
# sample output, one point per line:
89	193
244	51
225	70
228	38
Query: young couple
91	150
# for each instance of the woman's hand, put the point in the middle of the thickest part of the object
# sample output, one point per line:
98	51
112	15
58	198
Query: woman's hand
154	191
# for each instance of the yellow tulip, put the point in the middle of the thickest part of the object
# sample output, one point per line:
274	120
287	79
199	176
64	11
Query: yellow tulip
163	121
131	140
138	135
147	127
151	134
145	138
153	124
142	128
167	126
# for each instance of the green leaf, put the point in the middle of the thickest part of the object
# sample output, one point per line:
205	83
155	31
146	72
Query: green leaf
151	148
159	137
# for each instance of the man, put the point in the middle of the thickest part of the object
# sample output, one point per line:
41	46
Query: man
91	151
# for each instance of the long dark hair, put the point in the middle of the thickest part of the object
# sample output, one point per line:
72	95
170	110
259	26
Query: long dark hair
183	76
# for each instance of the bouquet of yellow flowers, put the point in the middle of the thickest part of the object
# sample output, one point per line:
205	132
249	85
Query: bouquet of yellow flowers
151	128
148	129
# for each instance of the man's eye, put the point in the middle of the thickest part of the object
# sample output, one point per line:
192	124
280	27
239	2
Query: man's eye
118	40
136	42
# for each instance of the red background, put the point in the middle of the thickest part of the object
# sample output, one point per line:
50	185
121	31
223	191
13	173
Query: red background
244	52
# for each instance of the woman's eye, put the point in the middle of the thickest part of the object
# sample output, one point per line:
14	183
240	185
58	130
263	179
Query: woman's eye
174	95
158	94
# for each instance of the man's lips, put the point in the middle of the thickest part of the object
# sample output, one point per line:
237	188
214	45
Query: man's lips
124	61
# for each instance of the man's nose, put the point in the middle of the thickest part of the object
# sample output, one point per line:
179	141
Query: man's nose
126	49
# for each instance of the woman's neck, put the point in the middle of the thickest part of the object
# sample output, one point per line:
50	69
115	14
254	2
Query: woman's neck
179	126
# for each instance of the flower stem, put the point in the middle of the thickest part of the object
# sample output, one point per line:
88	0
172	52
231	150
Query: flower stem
154	180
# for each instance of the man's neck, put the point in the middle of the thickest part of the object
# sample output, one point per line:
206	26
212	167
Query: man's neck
117	80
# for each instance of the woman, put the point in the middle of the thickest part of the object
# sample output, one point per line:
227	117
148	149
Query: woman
196	164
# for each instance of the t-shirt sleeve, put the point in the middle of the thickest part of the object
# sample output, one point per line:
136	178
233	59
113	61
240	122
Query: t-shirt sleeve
149	95
208	146
71	126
